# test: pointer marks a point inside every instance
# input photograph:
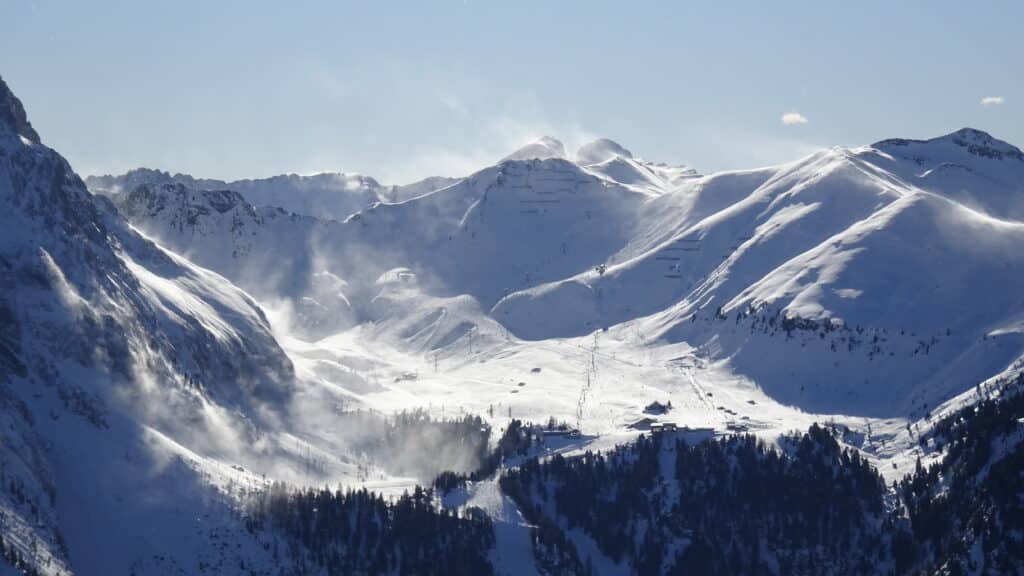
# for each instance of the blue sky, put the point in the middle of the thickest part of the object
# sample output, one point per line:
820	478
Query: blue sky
401	90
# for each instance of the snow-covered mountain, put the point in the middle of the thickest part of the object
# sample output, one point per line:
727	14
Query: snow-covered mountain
846	277
272	253
121	365
328	195
515	225
887	271
872	287
336	195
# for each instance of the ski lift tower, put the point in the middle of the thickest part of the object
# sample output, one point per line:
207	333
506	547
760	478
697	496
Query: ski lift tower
583	398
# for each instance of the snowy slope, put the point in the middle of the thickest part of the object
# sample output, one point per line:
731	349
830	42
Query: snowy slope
533	218
870	269
917	278
611	160
968	166
515	225
270	252
832	282
122	367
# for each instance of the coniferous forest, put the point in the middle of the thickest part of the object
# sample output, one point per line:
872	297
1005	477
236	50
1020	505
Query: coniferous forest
737	506
358	532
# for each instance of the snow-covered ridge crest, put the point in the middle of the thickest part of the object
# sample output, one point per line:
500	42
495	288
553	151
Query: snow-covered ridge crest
599	151
542	148
975	142
337	196
326	195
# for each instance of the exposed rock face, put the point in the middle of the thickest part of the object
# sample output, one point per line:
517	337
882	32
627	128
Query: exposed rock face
12	114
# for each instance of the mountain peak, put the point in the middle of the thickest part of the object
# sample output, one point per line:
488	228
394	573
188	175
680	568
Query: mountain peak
983	144
12	114
600	150
540	149
974	141
970	133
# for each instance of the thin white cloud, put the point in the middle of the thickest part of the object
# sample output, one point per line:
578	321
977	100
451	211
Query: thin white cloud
992	100
791	118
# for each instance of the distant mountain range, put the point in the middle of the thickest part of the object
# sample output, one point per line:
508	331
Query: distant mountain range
833	281
329	195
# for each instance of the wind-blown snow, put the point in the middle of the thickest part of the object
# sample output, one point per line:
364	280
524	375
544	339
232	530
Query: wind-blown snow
109	347
866	286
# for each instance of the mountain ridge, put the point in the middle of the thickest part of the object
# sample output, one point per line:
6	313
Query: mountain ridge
147	390
552	249
325	195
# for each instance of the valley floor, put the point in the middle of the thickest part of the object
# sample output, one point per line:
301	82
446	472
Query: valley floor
600	383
